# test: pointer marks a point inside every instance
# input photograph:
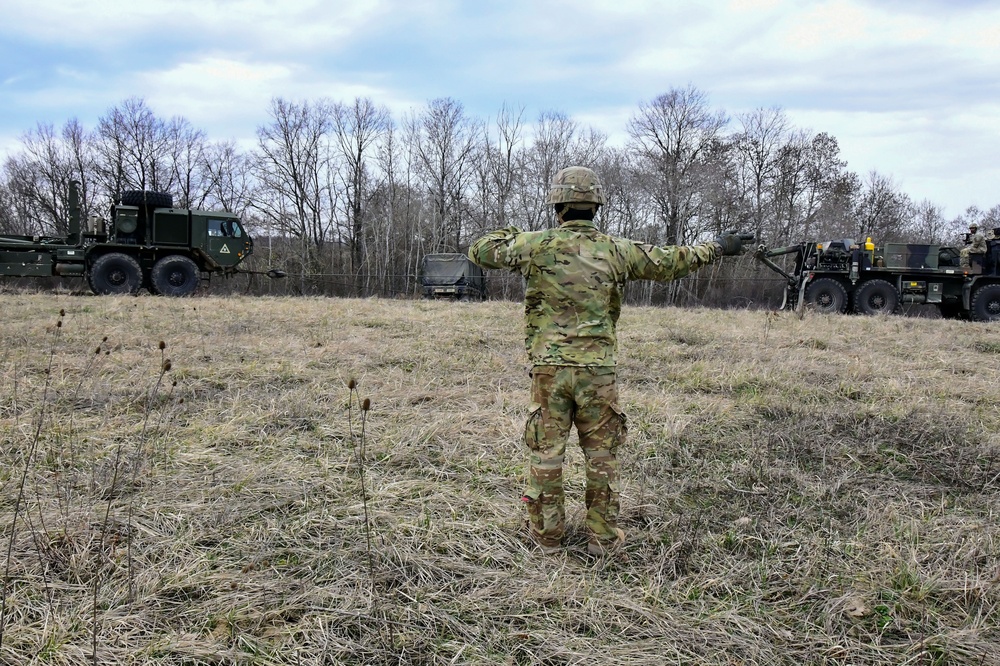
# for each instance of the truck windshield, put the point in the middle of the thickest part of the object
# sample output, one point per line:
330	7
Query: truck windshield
226	228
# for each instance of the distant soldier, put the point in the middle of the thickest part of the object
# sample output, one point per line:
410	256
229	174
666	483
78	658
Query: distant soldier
574	279
975	243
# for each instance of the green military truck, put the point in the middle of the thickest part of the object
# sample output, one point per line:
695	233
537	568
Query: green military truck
452	275
842	276
146	244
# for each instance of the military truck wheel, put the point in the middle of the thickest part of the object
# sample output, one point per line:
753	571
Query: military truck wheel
876	297
175	275
986	303
115	273
827	295
143	198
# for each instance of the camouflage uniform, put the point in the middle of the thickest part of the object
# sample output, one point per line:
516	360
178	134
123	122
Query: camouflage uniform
976	244
574	280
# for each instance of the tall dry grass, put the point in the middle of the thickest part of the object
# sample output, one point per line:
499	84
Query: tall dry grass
814	490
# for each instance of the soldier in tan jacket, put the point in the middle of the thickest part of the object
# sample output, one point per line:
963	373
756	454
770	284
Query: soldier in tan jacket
975	244
574	278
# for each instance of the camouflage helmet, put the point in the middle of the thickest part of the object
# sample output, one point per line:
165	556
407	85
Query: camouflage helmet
576	184
974	225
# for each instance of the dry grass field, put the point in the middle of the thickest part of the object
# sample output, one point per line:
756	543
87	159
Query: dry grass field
796	490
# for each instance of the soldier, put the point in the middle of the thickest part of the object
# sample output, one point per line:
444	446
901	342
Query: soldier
574	279
975	244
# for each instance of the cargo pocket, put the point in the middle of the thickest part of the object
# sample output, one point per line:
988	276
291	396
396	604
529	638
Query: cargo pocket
533	430
622	433
532	500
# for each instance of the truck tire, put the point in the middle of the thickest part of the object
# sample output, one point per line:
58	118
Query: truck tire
827	295
115	273
174	275
143	198
985	305
876	297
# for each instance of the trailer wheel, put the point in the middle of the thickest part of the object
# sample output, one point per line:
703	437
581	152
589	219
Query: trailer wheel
985	305
144	198
175	275
115	273
827	295
876	297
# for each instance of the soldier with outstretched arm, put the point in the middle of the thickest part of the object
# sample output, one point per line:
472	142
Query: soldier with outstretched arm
574	278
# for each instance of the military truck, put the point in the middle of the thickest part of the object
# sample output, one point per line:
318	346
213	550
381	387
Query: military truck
146	243
452	275
841	276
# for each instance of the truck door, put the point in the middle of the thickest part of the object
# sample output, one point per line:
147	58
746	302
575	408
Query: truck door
226	241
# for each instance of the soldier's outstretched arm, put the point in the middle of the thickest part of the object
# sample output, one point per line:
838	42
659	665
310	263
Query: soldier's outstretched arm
498	249
668	262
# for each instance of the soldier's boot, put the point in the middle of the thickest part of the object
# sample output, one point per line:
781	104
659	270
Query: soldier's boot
547	546
600	548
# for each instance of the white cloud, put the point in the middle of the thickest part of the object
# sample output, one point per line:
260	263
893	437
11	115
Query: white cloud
151	24
948	159
230	97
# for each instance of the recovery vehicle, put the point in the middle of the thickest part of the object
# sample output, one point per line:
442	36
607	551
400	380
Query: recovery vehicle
842	276
146	243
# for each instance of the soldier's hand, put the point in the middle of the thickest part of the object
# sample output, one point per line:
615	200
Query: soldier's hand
732	242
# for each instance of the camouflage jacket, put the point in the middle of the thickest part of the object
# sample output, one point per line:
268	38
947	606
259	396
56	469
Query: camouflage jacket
976	243
574	279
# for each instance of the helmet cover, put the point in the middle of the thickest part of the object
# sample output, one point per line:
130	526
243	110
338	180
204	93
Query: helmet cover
576	184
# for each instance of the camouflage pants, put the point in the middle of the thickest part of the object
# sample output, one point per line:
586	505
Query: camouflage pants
561	397
963	257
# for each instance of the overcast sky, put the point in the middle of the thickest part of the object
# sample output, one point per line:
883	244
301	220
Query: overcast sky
910	88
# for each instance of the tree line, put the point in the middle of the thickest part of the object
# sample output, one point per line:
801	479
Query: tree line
348	198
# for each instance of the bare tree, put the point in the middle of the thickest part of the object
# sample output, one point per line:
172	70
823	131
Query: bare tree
444	138
132	149
358	127
928	224
229	181
881	210
496	170
38	177
828	188
293	167
761	145
670	135
185	147
397	221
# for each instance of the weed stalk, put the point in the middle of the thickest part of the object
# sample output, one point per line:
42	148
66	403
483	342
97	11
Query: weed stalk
24	477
